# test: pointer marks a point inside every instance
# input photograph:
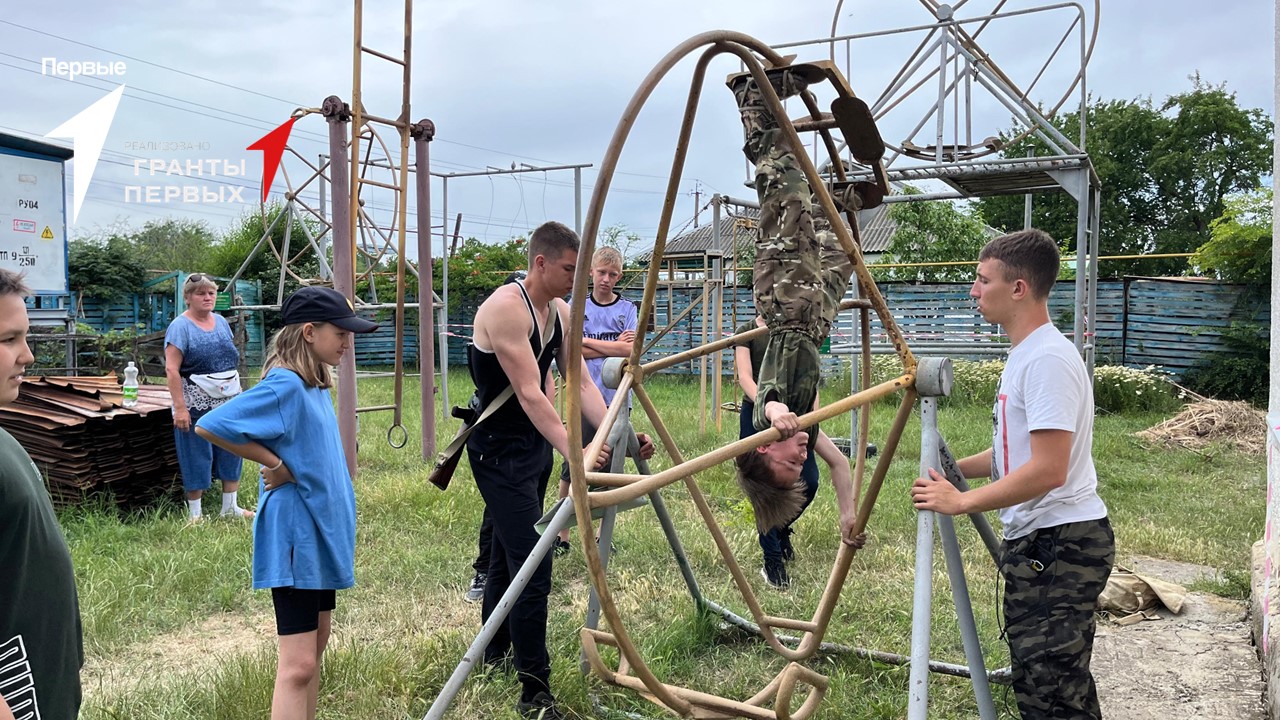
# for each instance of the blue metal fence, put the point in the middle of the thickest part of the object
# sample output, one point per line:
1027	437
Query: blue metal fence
1174	323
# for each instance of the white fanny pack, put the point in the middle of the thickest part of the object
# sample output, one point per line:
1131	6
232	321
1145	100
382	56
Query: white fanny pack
217	385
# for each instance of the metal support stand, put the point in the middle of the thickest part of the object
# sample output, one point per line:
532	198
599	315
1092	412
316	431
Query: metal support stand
619	435
935	380
476	651
964	615
922	608
563	517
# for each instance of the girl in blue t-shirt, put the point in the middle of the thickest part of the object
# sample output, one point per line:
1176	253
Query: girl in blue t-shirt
305	531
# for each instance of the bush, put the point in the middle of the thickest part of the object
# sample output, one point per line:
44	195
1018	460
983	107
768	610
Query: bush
108	269
1244	374
976	382
1118	389
106	351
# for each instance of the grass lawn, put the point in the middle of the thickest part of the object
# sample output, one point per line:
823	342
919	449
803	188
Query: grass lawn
173	631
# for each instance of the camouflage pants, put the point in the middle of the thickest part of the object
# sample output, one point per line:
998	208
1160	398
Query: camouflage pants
801	271
1052	579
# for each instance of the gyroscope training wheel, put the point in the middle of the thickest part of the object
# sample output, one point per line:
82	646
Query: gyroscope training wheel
775	700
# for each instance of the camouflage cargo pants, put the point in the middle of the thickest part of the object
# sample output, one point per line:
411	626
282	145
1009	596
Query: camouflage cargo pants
1052	580
800	272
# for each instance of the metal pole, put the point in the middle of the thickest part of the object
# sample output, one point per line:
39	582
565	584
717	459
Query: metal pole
964	614
941	107
618	440
1095	212
499	614
1082	253
951	469
337	114
321	182
577	201
444	299
1000	676
673	539
702	361
855	347
922	608
1026	205
717	312
718	271
284	250
423	132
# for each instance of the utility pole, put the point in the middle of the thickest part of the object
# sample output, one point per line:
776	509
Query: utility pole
696	192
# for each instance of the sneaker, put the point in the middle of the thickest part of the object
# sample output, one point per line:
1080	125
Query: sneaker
784	544
787	81
238	514
476	591
775	573
561	548
541	707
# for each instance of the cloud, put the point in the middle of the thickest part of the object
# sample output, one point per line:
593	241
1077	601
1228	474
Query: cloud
547	82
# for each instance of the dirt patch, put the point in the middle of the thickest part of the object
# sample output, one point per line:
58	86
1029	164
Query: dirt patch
394	620
187	651
1200	663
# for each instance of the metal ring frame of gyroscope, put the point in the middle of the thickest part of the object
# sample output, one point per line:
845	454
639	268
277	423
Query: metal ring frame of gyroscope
633	672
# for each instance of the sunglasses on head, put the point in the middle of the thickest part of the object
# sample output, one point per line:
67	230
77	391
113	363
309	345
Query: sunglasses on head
198	278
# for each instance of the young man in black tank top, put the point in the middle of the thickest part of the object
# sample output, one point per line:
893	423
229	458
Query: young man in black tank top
511	453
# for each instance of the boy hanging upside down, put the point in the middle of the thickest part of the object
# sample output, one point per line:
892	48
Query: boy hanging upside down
801	274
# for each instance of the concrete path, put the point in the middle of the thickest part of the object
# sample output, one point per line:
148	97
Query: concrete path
1199	664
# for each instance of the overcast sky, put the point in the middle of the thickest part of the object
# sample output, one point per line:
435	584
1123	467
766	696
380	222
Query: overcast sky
512	81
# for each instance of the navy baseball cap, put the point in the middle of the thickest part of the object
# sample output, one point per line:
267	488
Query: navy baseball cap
322	304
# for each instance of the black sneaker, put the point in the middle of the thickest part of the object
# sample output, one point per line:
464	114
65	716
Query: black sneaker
476	591
787	81
541	707
784	544
775	573
561	548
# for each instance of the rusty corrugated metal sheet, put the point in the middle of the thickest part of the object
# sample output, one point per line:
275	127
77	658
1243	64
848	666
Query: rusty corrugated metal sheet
86	442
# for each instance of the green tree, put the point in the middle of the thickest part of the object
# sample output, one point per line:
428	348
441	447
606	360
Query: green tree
621	238
174	244
477	268
1239	249
932	231
1165	173
105	268
232	249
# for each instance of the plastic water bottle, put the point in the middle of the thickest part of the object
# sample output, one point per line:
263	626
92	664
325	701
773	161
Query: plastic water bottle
130	385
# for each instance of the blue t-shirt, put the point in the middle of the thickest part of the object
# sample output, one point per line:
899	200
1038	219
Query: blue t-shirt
203	351
305	533
606	322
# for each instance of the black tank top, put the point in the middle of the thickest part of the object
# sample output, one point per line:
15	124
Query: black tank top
491	380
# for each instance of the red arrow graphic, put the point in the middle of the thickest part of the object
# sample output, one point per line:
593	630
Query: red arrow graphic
272	147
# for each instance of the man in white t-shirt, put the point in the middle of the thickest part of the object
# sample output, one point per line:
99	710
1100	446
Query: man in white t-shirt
1058	546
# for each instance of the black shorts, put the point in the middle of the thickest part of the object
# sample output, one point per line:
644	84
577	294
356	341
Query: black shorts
298	611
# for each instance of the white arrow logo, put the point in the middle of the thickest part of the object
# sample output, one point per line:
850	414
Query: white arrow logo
88	133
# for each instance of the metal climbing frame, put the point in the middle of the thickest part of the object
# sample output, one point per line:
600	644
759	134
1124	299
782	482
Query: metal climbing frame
942	74
633	672
361	244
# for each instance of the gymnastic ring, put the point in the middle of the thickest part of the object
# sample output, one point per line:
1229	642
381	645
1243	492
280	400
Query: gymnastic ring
391	431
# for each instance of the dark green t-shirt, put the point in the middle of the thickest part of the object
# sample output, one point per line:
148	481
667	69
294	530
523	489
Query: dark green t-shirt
40	642
756	347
